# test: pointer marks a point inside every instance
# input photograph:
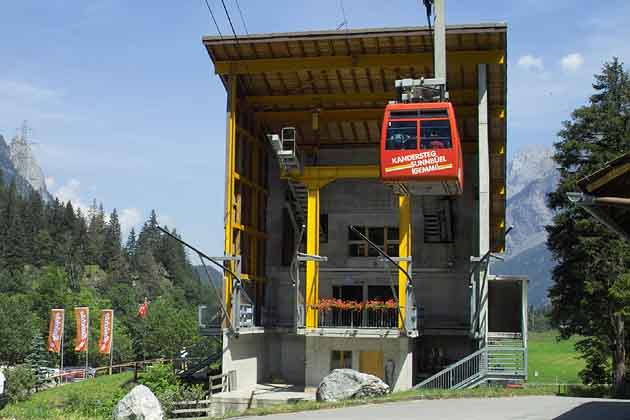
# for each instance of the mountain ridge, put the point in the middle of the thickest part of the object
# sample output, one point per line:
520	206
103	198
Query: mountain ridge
531	175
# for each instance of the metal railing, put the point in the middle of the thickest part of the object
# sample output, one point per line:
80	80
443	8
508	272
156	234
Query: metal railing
341	318
489	363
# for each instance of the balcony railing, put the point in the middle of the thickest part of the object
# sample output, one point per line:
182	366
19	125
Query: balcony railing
333	313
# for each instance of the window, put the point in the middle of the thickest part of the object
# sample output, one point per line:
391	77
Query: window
340	360
435	134
438	220
401	135
323	228
386	238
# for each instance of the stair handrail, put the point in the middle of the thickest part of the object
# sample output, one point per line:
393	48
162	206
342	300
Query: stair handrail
453	366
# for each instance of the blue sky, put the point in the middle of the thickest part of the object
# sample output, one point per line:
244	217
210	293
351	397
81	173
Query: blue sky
122	98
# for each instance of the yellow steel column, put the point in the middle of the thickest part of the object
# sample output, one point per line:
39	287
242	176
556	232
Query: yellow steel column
230	163
404	250
312	248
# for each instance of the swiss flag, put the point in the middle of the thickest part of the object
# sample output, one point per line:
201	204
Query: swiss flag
142	309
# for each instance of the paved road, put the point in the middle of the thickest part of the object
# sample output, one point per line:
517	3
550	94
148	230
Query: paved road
518	408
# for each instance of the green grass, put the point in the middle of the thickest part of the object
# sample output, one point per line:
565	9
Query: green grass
553	360
91	399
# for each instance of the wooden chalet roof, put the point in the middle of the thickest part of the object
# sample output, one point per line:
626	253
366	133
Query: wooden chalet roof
613	180
347	77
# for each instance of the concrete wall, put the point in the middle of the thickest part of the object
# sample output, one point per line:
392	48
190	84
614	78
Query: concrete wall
245	354
397	352
285	357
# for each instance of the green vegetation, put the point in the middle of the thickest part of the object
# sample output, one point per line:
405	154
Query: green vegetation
20	382
554	360
590	295
91	399
54	256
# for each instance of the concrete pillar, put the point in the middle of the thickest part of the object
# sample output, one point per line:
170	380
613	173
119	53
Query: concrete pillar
483	209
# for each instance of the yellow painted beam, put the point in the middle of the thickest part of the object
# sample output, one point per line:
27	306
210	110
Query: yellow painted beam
404	250
312	248
319	176
250	183
250	230
331	63
230	154
353	114
323	100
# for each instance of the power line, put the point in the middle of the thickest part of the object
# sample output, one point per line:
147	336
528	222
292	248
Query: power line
240	12
343	15
213	19
229	20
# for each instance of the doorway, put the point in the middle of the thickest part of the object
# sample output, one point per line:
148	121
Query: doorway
372	362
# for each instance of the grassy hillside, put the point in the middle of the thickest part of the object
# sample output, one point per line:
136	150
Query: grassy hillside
552	359
92	399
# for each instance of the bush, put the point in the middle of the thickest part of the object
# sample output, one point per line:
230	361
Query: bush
161	379
20	382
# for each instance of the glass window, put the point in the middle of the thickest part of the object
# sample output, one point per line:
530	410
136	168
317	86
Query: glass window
340	360
352	235
435	134
377	235
401	135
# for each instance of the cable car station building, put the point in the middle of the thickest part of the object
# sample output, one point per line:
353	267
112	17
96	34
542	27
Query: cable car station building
304	118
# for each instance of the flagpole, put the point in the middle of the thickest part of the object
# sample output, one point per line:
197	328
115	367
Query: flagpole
111	346
63	323
87	343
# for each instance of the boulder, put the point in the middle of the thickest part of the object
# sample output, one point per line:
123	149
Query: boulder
139	404
344	384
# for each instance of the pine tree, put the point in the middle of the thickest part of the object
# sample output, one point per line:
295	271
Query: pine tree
95	235
37	358
112	241
593	263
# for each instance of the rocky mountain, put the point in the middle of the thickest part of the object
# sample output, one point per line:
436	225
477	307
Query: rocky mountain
9	173
26	166
18	162
531	176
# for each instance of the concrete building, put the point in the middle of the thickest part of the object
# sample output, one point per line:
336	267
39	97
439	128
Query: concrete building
299	193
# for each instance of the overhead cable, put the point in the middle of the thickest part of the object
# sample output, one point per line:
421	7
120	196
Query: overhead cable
213	19
229	20
240	12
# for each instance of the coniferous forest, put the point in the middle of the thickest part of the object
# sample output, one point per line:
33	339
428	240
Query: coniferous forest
55	256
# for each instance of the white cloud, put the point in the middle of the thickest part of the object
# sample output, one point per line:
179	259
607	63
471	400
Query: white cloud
50	182
26	92
531	63
572	62
129	218
70	192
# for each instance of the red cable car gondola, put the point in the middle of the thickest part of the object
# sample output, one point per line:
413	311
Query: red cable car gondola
420	148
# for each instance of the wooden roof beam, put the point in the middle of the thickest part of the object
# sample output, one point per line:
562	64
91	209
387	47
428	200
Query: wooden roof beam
322	100
291	64
351	114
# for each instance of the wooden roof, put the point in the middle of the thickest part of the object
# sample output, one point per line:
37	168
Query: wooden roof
347	77
613	180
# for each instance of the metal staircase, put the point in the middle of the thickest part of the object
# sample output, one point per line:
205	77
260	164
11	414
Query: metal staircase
503	359
285	147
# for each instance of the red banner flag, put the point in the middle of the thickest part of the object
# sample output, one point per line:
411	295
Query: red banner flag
55	330
82	322
107	331
142	309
